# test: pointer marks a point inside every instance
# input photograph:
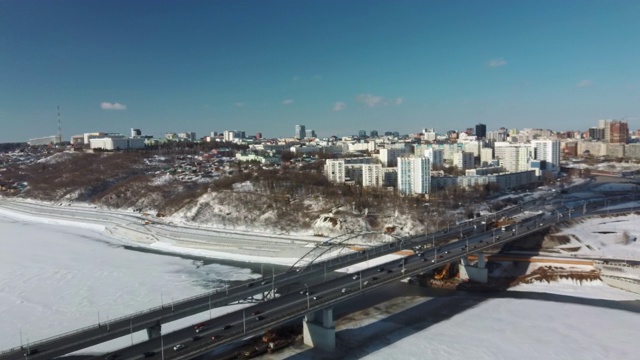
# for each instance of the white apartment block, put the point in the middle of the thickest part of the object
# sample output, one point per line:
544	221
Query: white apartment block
338	170
505	181
372	175
116	143
389	157
472	147
414	175
486	156
513	157
549	151
463	160
435	156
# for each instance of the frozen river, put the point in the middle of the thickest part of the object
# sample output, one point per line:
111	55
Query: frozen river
55	279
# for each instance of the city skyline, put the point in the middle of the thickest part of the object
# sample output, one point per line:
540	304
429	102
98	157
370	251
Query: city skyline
337	67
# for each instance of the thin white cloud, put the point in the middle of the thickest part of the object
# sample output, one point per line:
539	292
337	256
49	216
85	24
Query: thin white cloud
296	78
239	104
398	101
371	100
584	83
287	102
112	106
497	62
339	106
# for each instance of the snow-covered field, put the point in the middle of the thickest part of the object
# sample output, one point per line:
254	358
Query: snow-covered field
609	237
513	328
55	279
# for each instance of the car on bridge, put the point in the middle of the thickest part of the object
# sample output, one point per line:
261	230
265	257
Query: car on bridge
226	327
179	347
149	354
258	318
196	338
257	312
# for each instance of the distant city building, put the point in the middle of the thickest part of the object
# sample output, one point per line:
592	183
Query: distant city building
414	175
189	136
232	135
389	157
374	133
514	157
46	140
481	131
596	133
619	132
116	142
135	132
300	132
463	160
435	156
548	150
362	134
258	135
310	134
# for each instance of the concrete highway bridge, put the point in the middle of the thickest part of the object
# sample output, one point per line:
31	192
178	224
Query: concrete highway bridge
319	292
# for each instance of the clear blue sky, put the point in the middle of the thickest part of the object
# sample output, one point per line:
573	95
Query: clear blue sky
336	66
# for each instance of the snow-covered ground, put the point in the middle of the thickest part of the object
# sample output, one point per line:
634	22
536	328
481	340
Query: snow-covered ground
56	278
517	328
608	237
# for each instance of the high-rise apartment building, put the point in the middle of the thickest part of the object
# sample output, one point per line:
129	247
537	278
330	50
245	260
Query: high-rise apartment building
618	132
300	132
436	156
596	133
463	160
374	133
414	176
514	157
310	134
549	151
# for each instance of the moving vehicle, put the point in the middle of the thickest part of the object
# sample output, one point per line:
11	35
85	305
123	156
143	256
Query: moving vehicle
228	326
344	290
178	347
149	354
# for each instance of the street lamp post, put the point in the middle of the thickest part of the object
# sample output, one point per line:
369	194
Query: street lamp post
161	345
244	322
360	276
209	306
273	283
308	302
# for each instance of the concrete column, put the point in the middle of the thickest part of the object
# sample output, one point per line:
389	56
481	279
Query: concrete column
154	331
320	333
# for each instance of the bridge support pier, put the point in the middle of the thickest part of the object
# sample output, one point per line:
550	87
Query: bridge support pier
154	331
319	331
478	273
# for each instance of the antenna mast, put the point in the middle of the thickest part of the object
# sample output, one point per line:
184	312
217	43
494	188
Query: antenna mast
59	126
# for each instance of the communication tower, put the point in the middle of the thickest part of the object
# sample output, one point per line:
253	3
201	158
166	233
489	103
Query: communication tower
59	126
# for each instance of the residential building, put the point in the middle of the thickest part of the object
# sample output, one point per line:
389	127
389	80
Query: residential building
414	175
463	160
513	157
548	150
389	157
436	156
618	132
